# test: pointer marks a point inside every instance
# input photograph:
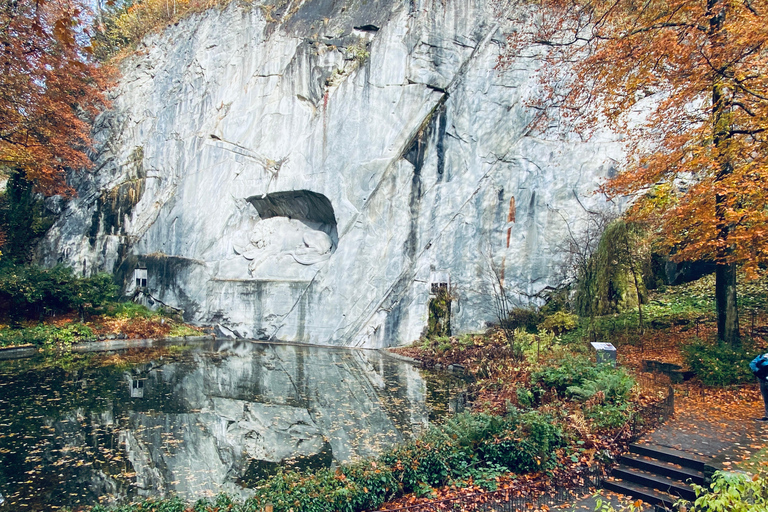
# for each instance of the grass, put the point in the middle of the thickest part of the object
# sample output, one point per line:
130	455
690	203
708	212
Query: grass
687	305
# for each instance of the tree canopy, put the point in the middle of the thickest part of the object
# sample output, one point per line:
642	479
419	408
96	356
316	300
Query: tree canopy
49	87
687	82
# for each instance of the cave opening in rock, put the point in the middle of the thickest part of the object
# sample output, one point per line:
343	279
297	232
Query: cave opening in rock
313	209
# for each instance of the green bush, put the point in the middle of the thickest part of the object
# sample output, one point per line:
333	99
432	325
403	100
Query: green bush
728	492
733	492
44	335
29	291
719	364
580	378
615	384
72	333
529	447
525	397
174	504
560	322
572	371
130	310
476	446
359	486
608	416
527	319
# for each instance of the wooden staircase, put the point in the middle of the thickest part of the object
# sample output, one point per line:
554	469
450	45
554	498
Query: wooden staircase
658	476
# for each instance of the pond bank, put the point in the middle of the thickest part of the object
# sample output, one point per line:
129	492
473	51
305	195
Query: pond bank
29	350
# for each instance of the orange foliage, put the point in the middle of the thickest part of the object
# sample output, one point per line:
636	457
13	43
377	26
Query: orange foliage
49	87
698	69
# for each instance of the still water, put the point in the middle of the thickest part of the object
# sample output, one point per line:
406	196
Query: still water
196	421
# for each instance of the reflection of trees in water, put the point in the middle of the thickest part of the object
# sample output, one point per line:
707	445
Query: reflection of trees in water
203	422
442	388
58	436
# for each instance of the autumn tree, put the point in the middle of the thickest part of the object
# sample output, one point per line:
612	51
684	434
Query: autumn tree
49	87
687	82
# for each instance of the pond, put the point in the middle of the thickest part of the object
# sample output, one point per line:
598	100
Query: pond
198	420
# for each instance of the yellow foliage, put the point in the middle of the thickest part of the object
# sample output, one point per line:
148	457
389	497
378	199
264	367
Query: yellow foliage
147	16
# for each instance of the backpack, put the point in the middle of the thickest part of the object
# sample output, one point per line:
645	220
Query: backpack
759	366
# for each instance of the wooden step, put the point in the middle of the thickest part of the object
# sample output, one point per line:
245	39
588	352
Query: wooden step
648	495
663	468
660	483
687	460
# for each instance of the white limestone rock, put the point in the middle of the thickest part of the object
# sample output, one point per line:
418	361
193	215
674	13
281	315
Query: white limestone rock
301	180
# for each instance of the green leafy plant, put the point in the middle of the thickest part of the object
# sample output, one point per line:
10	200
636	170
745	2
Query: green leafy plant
733	492
572	371
719	364
44	335
560	322
130	310
28	291
608	416
66	336
615	384
359	52
525	397
728	492
527	319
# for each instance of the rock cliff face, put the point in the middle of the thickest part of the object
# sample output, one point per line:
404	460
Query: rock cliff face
307	171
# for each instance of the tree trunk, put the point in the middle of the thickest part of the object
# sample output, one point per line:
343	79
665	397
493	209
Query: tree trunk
725	275
631	261
725	300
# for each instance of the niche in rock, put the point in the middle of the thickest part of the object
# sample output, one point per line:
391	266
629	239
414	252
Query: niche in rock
295	228
439	314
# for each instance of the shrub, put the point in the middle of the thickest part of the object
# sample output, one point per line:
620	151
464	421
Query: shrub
47	335
359	486
525	397
69	335
614	383
608	416
130	310
572	371
527	319
560	322
30	291
476	446
719	364
174	504
582	379
530	447
734	492
731	492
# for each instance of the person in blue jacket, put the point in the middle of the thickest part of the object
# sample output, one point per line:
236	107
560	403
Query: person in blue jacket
759	367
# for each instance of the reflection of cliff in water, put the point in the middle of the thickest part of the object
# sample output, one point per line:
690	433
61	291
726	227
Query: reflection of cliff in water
202	422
